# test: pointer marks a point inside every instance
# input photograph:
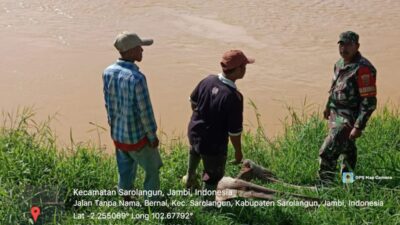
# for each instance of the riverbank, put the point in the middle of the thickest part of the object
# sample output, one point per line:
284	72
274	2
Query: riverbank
35	171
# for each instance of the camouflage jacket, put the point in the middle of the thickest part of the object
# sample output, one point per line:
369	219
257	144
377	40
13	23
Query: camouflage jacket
353	90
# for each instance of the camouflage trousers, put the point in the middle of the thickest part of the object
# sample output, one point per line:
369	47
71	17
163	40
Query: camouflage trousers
337	143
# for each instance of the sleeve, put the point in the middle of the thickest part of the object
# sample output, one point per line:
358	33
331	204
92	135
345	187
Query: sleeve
328	102
106	98
366	82
235	116
145	109
330	89
194	97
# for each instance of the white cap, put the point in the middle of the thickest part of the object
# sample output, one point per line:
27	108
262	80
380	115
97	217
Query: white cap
126	41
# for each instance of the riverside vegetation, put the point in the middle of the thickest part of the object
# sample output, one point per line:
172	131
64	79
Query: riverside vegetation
33	167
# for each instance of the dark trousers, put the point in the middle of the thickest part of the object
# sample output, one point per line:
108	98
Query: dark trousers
214	169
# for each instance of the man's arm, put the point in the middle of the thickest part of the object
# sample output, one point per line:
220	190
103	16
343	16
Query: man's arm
366	81
193	104
237	145
367	107
106	98
146	111
235	125
194	96
327	107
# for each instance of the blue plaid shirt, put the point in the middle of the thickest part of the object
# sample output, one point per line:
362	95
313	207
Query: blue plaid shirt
129	110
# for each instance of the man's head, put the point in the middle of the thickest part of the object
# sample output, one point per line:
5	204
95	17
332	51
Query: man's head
130	45
348	45
234	63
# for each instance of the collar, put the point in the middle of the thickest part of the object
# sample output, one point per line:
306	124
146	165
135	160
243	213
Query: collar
127	63
221	77
357	57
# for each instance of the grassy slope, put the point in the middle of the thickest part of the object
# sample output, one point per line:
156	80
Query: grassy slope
29	158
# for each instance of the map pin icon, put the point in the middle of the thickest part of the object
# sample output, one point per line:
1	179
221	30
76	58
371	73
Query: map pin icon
35	212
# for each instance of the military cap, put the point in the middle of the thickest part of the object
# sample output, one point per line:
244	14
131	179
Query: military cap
348	36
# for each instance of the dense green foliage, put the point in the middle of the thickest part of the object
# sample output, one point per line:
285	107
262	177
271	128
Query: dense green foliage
30	162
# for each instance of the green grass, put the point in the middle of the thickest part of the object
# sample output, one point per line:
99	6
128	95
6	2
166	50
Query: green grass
31	165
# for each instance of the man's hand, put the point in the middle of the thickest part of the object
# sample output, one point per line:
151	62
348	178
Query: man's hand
327	113
155	143
355	133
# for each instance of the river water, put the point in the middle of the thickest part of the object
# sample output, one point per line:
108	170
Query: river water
53	53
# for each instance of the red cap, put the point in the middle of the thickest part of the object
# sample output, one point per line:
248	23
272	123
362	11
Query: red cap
234	58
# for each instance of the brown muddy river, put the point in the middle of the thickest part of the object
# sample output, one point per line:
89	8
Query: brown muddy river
53	54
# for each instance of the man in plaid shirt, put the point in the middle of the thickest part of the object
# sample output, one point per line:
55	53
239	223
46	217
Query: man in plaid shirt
130	115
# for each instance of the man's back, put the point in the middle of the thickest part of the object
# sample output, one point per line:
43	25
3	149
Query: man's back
124	85
218	111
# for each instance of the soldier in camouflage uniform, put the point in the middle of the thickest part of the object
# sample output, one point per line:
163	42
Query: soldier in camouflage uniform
352	99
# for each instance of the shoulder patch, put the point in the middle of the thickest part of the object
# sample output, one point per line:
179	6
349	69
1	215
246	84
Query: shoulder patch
366	82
